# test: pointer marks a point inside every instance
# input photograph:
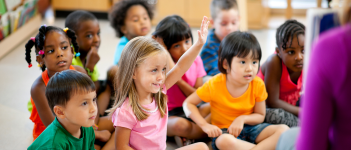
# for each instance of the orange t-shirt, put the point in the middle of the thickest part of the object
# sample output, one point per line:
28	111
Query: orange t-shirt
39	127
224	107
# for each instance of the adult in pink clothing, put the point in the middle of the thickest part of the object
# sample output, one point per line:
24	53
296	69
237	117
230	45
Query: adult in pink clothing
326	116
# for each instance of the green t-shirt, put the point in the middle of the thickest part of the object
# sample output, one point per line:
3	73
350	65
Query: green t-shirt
76	61
55	137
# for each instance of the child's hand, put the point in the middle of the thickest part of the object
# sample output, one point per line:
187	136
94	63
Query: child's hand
103	135
92	58
236	127
211	130
203	31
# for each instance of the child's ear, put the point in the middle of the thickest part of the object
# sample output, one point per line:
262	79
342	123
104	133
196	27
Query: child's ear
40	60
277	51
58	110
225	64
124	30
134	74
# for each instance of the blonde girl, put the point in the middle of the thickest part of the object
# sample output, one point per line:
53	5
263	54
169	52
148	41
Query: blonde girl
140	111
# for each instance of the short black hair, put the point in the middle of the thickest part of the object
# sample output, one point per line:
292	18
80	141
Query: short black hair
118	13
217	5
289	29
75	18
173	29
237	44
63	85
38	43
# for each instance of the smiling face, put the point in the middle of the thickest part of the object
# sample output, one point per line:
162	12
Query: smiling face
242	70
81	109
226	21
58	53
88	35
179	48
293	55
151	73
137	22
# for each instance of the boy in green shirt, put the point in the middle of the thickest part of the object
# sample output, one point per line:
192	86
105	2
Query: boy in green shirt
72	98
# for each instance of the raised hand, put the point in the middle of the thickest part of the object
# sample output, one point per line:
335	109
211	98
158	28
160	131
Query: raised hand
203	31
92	58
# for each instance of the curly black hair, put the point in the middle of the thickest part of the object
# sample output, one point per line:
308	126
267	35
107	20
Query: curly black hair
40	38
118	13
289	29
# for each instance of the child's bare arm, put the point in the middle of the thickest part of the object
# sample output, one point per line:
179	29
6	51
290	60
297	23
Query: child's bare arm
41	103
193	112
188	89
122	136
272	75
188	57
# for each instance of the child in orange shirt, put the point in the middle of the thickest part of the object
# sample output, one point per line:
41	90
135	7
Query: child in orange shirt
237	98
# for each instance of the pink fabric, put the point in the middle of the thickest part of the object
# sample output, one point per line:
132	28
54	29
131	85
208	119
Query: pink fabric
289	91
174	94
146	134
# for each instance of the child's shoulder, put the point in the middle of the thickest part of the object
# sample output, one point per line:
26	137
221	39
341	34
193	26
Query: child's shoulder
218	79
38	85
273	65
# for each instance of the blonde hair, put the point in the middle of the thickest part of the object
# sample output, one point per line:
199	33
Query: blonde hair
135	53
345	14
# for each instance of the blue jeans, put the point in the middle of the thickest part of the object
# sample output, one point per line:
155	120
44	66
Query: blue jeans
249	133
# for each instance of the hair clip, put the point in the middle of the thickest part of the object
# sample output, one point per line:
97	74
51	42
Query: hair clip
33	39
29	65
77	54
41	52
44	25
39	65
65	29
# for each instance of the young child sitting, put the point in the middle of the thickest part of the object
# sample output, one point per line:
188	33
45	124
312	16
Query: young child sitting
282	74
140	111
237	98
54	50
130	18
177	38
72	99
225	19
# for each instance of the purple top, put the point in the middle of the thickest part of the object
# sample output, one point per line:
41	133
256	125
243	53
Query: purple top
326	105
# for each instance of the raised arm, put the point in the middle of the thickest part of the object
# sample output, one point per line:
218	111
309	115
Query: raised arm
188	57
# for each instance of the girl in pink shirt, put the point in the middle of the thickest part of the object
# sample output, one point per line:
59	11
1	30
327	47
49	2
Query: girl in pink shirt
177	38
140	111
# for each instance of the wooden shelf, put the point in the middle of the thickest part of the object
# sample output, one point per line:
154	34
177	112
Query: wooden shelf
21	34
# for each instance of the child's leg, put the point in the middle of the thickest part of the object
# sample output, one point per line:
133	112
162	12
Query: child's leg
178	126
269	137
280	116
110	145
228	141
195	146
205	109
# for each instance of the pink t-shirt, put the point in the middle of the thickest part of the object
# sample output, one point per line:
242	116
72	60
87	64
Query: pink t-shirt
174	94
147	134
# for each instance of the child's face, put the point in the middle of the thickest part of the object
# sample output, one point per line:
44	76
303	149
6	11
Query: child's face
88	35
58	53
243	70
151	74
137	22
293	55
81	109
226	21
179	48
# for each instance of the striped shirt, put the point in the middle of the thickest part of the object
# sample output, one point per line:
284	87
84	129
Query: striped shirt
209	54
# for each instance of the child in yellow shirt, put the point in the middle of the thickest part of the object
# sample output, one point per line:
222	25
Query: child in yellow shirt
237	98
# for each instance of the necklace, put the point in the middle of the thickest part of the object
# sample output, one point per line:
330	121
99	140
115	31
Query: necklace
152	111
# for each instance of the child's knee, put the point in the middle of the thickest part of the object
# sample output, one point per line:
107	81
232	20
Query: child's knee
282	128
182	126
225	141
202	146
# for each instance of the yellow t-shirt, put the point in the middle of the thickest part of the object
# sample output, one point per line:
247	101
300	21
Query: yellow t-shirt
224	107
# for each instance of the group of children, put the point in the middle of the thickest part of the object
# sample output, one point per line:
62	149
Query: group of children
160	86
